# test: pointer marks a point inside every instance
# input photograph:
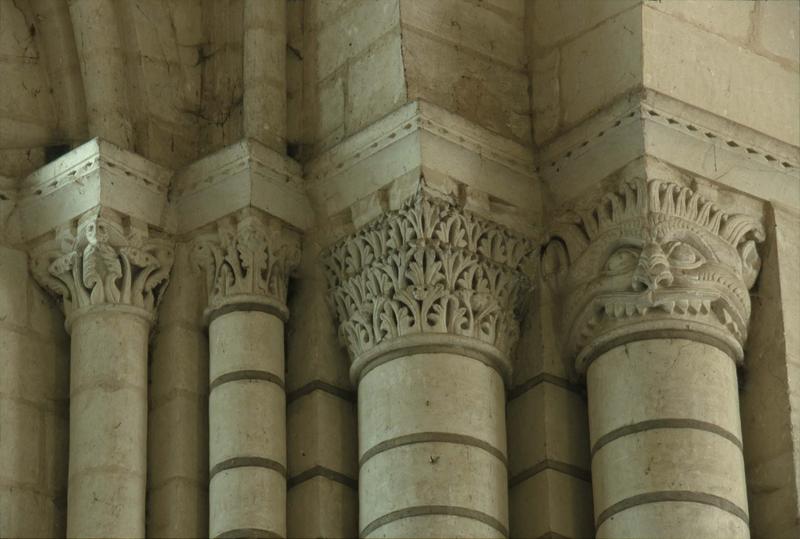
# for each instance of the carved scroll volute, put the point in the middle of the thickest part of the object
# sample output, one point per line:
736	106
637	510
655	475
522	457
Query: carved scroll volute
654	259
103	262
247	259
427	275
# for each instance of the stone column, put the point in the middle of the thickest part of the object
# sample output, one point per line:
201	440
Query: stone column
110	278
426	298
657	309
247	263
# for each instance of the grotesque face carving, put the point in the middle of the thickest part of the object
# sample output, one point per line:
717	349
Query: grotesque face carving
657	260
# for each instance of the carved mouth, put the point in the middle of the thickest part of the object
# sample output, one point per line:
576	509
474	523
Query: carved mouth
625	306
615	309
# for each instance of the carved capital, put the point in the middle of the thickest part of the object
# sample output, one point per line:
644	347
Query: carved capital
429	276
103	261
247	261
655	259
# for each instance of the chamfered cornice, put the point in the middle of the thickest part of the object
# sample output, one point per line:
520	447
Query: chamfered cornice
429	277
246	174
655	259
95	174
655	126
247	259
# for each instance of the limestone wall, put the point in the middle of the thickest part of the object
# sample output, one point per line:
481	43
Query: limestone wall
353	68
34	388
398	136
178	411
27	109
735	59
770	393
583	57
469	58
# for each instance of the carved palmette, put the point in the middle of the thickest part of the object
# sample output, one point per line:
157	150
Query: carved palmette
245	257
101	263
428	267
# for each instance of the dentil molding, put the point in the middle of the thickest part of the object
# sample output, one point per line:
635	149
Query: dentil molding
429	277
655	259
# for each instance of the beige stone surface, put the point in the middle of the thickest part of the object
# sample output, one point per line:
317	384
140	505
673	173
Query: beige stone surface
439	526
178	508
178	411
677	379
405	406
732	20
262	129
29	514
245	340
262	434
720	76
588	80
468	84
668	460
374	83
431	393
771	438
322	431
777	29
320	507
108	425
670	456
551	502
34	387
13	297
247	420
433	474
554	22
230	488
547	422
676	519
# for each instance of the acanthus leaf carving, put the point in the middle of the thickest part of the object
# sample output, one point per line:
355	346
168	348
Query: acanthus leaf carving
429	268
102	263
247	256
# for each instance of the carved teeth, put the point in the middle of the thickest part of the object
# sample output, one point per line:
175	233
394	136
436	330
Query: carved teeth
682	305
706	307
641	309
694	306
668	306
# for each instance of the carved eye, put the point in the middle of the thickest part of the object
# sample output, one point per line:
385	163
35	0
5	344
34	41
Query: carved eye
684	256
622	260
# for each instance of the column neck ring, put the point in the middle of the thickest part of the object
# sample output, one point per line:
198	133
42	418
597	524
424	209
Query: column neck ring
431	343
108	308
662	329
246	302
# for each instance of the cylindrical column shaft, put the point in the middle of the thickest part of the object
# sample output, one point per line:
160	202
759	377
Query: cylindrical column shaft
247	426
432	448
666	441
108	424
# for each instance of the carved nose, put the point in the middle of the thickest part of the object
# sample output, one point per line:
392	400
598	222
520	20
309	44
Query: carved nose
653	270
